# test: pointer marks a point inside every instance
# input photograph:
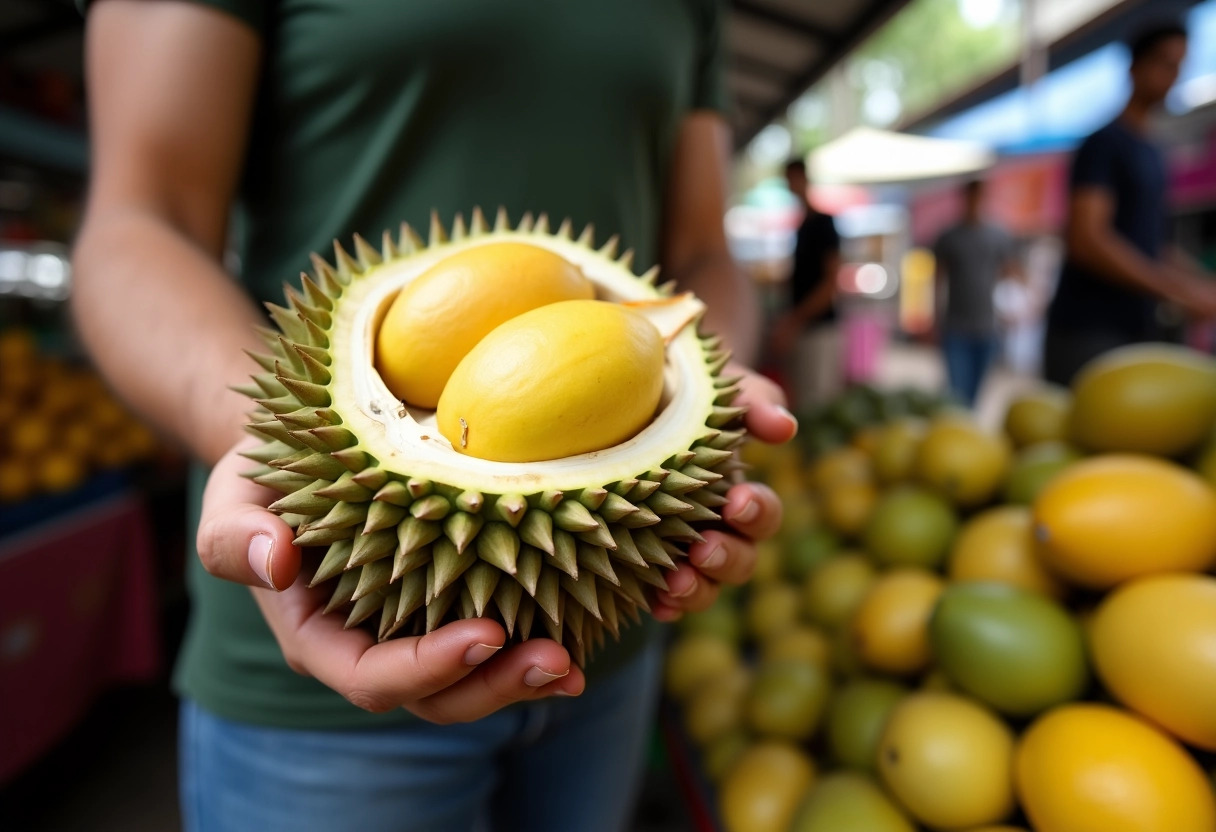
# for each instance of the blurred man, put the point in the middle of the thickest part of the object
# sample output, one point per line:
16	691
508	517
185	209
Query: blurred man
806	338
971	257
1117	264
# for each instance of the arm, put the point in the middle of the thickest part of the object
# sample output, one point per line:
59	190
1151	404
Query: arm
1093	242
173	85
820	300
695	253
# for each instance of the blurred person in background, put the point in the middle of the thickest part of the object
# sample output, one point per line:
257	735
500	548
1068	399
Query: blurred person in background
806	338
972	256
1118	265
310	122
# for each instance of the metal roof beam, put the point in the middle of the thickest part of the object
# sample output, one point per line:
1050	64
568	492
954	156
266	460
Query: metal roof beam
773	17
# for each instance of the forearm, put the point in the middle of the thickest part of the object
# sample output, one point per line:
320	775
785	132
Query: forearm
166	326
1110	255
733	310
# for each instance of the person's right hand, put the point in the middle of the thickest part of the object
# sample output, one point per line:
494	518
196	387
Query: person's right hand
458	673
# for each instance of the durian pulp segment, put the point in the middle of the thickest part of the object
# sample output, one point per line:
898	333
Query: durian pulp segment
408	439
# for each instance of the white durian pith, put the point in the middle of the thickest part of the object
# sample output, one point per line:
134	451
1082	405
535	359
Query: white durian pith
423	534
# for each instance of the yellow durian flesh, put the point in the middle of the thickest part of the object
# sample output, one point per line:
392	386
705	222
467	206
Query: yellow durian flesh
565	379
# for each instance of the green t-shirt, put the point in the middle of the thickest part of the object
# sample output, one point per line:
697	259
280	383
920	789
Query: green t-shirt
371	112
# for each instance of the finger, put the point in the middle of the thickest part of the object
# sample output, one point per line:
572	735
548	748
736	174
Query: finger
767	418
662	612
687	589
753	509
238	539
398	672
532	670
724	558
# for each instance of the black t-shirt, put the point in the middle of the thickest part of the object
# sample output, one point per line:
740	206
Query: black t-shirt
1132	171
817	238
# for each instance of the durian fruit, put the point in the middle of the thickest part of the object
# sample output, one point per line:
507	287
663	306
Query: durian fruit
416	534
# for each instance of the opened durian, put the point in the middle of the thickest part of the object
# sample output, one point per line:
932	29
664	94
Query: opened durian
427	520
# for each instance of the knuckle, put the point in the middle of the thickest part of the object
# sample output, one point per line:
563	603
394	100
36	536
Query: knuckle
208	544
369	701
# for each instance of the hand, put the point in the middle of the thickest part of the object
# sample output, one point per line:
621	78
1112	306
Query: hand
753	510
786	332
458	673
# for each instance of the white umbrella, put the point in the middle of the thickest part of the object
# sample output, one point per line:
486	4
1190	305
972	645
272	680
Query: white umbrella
865	156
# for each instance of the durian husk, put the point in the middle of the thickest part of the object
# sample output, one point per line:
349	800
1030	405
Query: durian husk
573	559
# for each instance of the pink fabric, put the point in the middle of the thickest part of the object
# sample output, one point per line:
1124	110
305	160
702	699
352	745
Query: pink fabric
77	613
864	339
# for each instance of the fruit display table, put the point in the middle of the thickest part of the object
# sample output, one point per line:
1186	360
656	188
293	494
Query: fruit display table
77	614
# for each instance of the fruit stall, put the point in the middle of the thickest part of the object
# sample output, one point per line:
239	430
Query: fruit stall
971	629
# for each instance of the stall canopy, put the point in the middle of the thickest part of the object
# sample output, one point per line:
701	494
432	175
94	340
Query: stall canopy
865	156
779	48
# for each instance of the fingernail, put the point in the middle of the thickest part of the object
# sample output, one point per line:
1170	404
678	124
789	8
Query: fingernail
564	693
749	512
261	558
793	420
684	593
479	653
714	559
537	678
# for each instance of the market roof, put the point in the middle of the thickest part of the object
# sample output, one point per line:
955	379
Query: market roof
779	48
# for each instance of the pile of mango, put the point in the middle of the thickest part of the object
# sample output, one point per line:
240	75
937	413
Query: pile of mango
58	423
982	630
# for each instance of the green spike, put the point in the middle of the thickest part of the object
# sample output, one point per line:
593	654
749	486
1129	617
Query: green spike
394	493
510	508
270	452
413	534
591	498
528	567
643	489
419	488
477	222
726	395
341	516
314	294
587	238
565	553
576	643
467	609
279	406
547	595
289	322
623	487
481	580
721	382
595	559
536	529
582	591
461	527
325	276
525	222
345	488
295	520
274	429
304	418
322	537
388	612
388	248
722	416
708	498
727	440
406	563
413	593
631	589
640	519
345	266
598	537
353	459
383	516
524	616
547	500
498	544
677	529
679	460
698	513
372	577
334	562
470	501
408	240
284	481
698	473
258	471
609	248
650	575
650	547
344	591
364	608
677	483
433	507
507	596
270	385
662	504
572	516
266	362
373	547
439	606
715	362
318	465
332	438
606	600
373	479
317	336
449	563
367	255
438	234
707	457
626	549
542	224
615	507
305	501
553	630
313	395
459	232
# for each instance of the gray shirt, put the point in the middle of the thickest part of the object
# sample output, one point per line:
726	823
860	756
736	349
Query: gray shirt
972	257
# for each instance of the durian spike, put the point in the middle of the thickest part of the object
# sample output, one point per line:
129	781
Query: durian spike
433	507
582	591
662	504
305	500
353	459
615	507
438	234
482	579
510	508
345	488
376	546
523	619
542	224
283	481
566	229
554	629
547	594
650	547
650	276
364	608
591	498
322	537
572	516
461	527
536	529
467	608
317	465
341	516
408	239
643	489
676	529
707	457
699	513
631	589
574	626
626	259
609	248
640	519
388	247
314	293
368	256
595	559
528	567
372	577
449	563
413	534
334	562
413	593
470	501
651	576
439	606
406	563
383	516
565	553
598	536
525	223
345	266
507	596
268	452
586	239
394	493
459	232
388	613
626	549
477	223
326	278
344	591
373	479
502	222
606	601
499	545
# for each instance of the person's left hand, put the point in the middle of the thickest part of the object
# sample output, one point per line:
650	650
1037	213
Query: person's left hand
752	510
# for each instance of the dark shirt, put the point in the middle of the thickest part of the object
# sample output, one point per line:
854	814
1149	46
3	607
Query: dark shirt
1132	171
973	258
817	238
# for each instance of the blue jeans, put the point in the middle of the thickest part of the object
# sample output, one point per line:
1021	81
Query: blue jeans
967	359
552	766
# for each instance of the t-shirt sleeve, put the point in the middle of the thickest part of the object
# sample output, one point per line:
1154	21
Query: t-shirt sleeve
1093	164
255	13
709	79
831	237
